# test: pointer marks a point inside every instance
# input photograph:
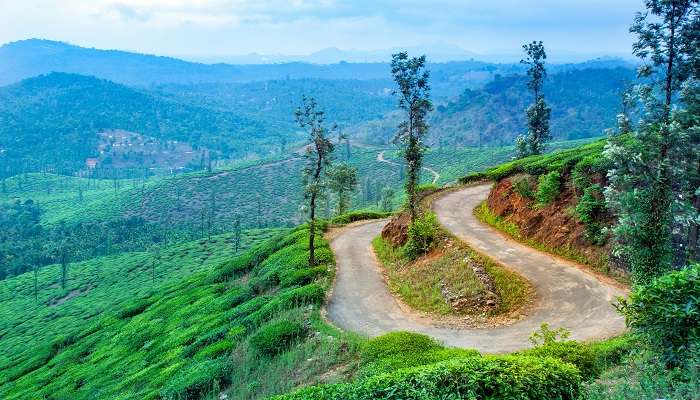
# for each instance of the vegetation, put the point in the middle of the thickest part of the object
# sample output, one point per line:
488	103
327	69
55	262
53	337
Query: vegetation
190	325
538	114
343	181
411	77
319	153
548	188
472	377
441	278
654	178
665	313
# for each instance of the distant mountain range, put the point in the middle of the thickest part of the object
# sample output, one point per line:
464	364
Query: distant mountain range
28	58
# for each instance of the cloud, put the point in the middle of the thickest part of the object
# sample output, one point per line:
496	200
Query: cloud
303	26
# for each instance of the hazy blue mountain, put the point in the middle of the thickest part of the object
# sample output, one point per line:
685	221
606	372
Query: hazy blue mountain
28	58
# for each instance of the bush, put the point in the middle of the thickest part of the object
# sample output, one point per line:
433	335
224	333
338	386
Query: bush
590	209
503	377
198	378
572	352
398	350
302	276
397	343
666	314
277	337
421	235
358	216
548	187
523	188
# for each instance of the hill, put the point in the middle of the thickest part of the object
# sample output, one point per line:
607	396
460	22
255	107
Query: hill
584	103
55	119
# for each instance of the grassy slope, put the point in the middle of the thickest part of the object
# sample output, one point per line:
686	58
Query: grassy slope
35	334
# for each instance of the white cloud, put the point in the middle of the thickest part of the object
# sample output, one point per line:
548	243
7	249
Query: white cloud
200	27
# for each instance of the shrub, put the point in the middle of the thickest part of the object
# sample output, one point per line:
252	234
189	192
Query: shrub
309	294
612	351
548	187
666	314
358	216
503	377
523	188
572	352
277	337
302	276
398	350
197	379
397	343
545	335
421	235
589	210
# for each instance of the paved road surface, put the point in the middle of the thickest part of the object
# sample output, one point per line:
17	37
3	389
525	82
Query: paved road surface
566	295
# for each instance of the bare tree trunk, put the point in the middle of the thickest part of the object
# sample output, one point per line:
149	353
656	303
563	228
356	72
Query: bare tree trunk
312	231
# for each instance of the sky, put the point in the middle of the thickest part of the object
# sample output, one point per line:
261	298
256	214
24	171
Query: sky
219	28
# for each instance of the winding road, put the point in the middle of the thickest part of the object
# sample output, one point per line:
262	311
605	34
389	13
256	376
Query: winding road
566	295
436	175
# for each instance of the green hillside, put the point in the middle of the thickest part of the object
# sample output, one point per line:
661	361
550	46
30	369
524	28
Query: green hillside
54	120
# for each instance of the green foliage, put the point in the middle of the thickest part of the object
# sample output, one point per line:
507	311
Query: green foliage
577	354
358	216
558	161
590	210
173	338
523	187
342	180
411	76
546	335
422	233
548	188
396	343
666	313
590	359
493	115
500	377
277	337
397	350
644	377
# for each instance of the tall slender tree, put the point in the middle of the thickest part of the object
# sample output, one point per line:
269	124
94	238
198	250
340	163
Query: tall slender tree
538	114
319	152
411	76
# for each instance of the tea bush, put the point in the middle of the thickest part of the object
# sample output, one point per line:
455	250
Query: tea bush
276	337
497	377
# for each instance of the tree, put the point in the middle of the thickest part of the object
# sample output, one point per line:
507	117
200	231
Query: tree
411	77
319	152
385	202
342	180
651	182
538	114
